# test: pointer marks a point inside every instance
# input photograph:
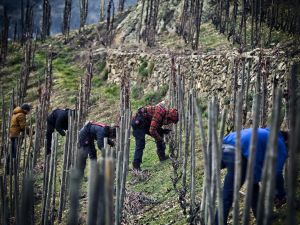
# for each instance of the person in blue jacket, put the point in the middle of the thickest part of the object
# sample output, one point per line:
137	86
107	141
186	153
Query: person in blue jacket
228	156
87	135
56	120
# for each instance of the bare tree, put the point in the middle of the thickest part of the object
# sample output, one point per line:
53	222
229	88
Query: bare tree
67	17
83	6
121	5
191	21
46	20
22	20
150	22
28	23
4	37
110	22
85	90
102	10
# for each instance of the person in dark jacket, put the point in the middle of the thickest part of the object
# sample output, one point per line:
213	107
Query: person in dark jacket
149	120
56	120
87	135
228	157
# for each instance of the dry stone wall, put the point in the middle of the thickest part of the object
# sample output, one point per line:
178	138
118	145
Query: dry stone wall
212	74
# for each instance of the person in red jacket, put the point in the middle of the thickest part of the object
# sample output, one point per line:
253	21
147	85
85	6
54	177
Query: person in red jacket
149	120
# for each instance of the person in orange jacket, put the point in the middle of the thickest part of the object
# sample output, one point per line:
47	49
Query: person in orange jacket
18	125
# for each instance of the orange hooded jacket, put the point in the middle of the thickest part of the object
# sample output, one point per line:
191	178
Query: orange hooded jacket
18	122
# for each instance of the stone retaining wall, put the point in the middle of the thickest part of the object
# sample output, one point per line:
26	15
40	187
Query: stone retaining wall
212	74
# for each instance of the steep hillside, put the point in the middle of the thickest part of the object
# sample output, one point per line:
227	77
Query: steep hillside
151	198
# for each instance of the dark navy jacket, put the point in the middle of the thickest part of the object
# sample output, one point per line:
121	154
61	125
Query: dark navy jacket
58	119
91	132
261	148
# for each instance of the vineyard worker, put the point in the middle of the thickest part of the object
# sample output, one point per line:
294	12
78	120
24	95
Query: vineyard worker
56	120
90	132
228	152
149	120
18	125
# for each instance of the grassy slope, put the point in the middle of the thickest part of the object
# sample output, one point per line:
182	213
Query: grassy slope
104	100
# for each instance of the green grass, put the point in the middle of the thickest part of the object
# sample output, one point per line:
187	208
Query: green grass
137	92
146	68
97	82
101	66
66	74
143	71
112	91
155	97
210	38
149	98
159	187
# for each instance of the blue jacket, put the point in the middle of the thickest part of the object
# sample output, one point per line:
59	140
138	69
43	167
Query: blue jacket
261	148
91	132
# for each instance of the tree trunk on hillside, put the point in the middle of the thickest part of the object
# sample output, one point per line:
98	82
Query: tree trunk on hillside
243	25
83	6
28	22
252	23
110	21
25	71
198	17
4	38
102	10
298	18
46	20
67	17
233	32
227	7
221	17
22	20
121	5
256	22
183	18
271	23
150	22
141	21
15	32
191	21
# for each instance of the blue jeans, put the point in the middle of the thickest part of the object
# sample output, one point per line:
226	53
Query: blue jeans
87	149
139	134
140	143
14	144
228	158
13	154
49	132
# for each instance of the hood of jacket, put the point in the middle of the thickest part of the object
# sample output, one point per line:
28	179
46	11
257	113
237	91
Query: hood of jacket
18	110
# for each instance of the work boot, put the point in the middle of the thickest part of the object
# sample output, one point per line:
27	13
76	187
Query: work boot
136	166
161	148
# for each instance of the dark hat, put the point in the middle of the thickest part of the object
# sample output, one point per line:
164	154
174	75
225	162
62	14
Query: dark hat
26	107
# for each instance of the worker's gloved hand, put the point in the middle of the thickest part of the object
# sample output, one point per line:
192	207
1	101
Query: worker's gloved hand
166	131
278	202
111	143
